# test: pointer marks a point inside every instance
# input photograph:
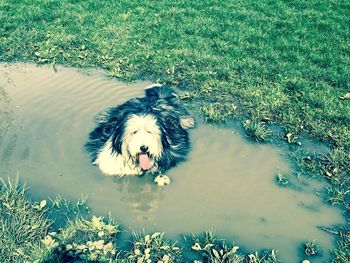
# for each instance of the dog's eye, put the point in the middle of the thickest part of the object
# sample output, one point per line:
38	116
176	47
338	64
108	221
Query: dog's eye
134	132
149	132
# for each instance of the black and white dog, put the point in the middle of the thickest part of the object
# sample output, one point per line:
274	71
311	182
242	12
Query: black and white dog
143	135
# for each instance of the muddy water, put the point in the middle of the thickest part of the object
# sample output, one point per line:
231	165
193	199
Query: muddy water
227	183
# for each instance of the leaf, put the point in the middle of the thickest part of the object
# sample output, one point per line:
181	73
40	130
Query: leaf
208	246
215	253
111	229
81	247
96	222
20	251
47	241
234	249
164	247
346	96
196	247
43	204
156	234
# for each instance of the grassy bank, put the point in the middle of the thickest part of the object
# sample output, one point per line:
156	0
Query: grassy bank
61	231
262	62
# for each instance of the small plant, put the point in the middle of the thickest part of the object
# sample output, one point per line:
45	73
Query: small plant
22	225
257	131
62	211
311	248
216	112
337	196
281	180
153	248
266	257
91	240
292	139
213	250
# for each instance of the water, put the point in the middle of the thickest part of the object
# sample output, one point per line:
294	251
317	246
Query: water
227	184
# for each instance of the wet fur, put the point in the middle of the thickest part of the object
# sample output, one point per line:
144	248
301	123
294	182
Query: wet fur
108	139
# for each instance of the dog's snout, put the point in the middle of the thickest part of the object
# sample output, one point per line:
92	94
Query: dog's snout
144	148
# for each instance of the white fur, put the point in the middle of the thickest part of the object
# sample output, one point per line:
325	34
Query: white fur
142	130
139	130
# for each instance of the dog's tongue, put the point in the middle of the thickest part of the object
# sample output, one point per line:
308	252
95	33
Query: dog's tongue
145	161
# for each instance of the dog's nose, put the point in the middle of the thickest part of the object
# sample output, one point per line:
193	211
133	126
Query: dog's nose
144	148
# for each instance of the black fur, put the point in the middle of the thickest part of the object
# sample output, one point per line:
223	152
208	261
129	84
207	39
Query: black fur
160	102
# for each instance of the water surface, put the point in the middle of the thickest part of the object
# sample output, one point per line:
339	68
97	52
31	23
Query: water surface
227	184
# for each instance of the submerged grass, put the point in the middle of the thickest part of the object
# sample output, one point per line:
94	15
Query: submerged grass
282	61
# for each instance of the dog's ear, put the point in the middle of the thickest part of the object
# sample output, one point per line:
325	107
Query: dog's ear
117	118
164	139
116	122
118	134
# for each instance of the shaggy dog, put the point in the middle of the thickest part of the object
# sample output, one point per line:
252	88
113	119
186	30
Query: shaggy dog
143	135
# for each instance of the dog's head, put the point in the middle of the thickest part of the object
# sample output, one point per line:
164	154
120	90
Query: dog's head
149	132
142	140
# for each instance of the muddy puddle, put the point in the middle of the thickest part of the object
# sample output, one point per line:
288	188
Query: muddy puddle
227	184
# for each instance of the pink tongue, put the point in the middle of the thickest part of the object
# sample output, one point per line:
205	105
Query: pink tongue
144	161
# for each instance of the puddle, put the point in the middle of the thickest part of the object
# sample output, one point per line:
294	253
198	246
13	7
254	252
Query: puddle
227	183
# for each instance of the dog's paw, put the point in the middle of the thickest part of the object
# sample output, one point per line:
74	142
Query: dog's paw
162	180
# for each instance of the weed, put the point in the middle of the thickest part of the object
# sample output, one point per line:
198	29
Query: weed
153	248
281	180
22	225
91	240
213	250
62	211
216	112
265	257
337	196
311	248
257	131
342	253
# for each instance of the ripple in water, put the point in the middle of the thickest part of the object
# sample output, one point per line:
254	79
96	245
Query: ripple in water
227	183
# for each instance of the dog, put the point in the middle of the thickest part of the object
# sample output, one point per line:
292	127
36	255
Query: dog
143	135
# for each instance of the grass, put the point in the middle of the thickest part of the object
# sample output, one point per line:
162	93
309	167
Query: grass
311	248
153	248
282	61
23	226
215	250
256	130
29	234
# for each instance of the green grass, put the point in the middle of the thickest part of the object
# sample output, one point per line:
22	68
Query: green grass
256	131
311	248
219	251
28	233
282	61
23	225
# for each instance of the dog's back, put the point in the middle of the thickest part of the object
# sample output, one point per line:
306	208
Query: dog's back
160	92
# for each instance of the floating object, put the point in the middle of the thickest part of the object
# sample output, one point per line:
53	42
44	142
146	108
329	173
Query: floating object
162	180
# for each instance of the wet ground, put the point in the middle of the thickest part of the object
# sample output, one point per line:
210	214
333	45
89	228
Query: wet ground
227	184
